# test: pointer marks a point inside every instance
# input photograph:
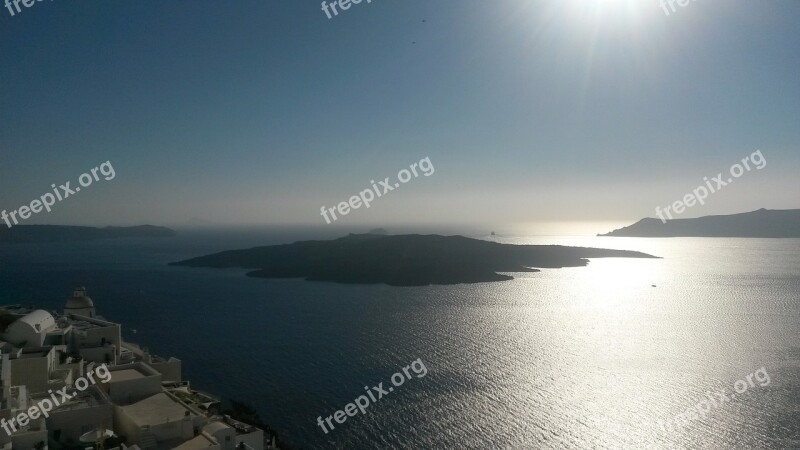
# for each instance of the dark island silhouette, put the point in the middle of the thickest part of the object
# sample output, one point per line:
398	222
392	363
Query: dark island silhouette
764	223
402	260
65	233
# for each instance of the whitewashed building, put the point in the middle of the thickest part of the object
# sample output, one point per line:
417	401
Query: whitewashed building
143	404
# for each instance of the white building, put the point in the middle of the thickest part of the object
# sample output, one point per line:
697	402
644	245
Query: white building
39	369
95	339
31	330
85	412
144	401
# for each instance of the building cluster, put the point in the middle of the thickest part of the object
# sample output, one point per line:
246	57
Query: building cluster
142	404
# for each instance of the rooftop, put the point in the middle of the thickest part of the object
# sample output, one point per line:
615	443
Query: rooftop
155	410
198	442
127	374
85	323
240	427
194	399
86	399
31	352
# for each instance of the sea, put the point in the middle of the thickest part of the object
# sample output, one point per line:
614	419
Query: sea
699	349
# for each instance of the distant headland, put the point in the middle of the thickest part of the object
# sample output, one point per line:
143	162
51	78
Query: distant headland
402	260
764	223
63	233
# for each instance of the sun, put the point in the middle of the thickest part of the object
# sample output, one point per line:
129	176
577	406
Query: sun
597	15
624	10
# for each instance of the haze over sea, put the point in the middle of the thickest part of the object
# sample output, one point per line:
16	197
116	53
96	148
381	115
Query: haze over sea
589	357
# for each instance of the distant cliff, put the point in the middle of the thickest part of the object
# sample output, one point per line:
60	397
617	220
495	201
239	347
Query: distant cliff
764	223
403	260
59	233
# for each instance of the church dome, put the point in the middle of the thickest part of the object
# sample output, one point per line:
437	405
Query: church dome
79	300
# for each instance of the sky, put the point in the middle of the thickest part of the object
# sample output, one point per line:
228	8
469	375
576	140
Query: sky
249	112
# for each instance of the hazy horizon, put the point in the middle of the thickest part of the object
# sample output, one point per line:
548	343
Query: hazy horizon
531	112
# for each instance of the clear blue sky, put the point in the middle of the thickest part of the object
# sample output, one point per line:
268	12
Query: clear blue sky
259	112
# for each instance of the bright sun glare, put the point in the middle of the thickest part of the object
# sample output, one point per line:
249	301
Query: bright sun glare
605	10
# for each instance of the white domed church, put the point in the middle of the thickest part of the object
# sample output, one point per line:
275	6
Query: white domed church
80	304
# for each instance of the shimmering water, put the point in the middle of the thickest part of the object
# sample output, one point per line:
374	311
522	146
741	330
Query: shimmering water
589	357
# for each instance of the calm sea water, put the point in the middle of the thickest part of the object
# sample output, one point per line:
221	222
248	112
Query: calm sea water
590	357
